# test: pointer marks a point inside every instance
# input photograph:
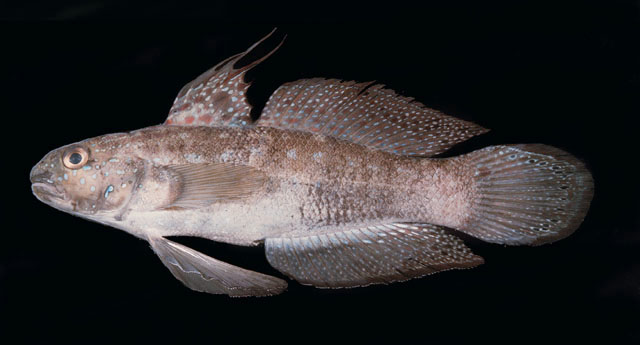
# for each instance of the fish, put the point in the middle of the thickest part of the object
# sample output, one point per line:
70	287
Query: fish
339	181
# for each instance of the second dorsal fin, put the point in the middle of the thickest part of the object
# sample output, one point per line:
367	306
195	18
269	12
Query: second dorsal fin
365	114
218	96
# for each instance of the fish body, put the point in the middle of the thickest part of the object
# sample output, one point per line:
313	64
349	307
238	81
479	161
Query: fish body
334	179
311	182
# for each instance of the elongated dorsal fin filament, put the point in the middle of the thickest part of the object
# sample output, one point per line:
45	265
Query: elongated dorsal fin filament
218	97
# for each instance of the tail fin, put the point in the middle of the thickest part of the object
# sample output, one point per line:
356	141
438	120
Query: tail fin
527	194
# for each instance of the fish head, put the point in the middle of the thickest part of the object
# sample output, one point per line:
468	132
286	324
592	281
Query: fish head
93	178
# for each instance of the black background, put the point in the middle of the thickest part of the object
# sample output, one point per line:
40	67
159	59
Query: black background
560	73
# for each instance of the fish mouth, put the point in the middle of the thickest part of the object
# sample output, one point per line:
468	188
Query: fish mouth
46	192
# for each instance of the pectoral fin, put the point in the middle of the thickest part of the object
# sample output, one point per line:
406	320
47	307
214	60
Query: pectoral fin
202	184
371	255
203	273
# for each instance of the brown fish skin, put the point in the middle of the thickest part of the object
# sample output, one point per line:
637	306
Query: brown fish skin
82	191
333	179
313	183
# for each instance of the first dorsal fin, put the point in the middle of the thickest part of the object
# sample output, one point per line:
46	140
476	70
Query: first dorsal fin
365	114
218	96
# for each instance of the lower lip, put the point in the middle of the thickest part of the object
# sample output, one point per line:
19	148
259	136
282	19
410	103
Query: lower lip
44	190
43	186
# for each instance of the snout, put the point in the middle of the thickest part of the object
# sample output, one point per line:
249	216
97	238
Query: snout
43	184
38	174
44	169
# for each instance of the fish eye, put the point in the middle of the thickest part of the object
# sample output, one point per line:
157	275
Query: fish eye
75	158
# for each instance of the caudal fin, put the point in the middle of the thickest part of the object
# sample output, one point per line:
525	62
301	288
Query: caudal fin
527	194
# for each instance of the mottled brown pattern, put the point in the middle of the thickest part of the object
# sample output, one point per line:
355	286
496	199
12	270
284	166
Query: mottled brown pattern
329	178
333	182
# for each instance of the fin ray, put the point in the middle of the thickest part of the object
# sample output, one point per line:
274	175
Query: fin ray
204	183
365	114
218	97
203	273
527	194
370	255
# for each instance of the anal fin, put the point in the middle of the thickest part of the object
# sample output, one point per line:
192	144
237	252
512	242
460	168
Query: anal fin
200	272
371	255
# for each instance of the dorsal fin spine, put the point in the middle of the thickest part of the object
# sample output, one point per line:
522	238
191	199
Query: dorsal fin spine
215	98
256	62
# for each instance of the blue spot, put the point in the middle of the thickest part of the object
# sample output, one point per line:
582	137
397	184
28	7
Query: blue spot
107	191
